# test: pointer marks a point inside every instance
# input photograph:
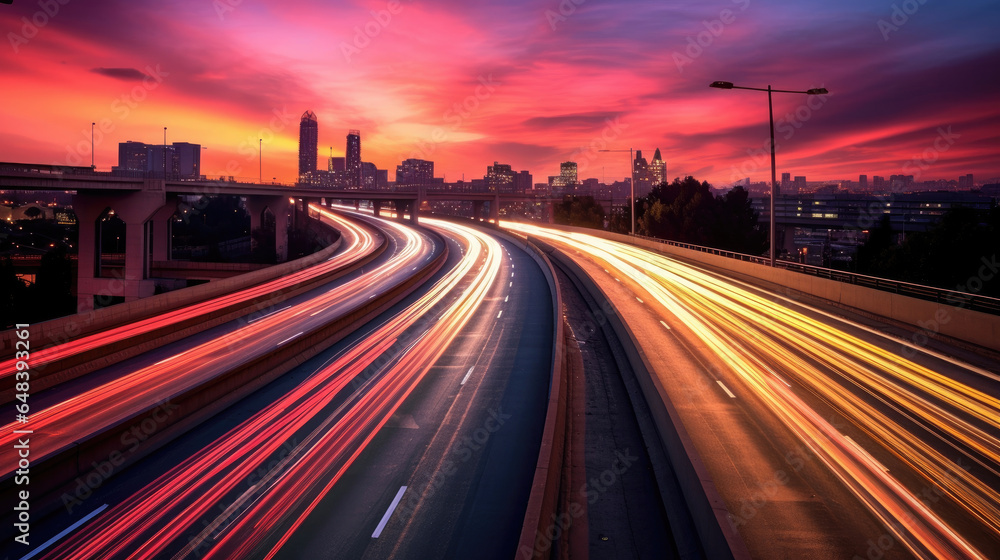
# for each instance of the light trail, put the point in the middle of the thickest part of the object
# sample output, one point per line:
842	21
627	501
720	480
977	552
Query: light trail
882	393
90	411
258	519
358	243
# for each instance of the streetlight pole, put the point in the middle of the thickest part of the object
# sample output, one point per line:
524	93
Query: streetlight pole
631	164
260	160
774	179
92	166
164	153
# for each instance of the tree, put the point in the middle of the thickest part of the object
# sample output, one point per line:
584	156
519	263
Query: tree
582	211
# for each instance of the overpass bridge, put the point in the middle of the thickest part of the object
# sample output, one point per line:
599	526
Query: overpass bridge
146	206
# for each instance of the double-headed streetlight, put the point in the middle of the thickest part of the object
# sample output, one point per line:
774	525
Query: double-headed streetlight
631	164
774	183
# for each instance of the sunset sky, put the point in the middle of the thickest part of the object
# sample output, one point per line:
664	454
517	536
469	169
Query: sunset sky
525	82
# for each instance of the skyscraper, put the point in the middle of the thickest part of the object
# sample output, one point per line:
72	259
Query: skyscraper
499	178
658	169
412	172
308	143
353	158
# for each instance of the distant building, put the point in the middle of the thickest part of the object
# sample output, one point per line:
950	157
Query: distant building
353	156
800	184
965	182
368	175
786	183
308	143
657	169
522	182
863	182
413	172
878	182
499	178
180	160
640	170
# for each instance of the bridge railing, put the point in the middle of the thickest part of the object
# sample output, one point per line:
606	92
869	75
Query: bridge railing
956	298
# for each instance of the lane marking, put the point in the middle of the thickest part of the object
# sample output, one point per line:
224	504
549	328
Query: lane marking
506	298
467	374
289	338
511	274
64	532
726	389
666	326
637	299
511	284
317	313
499	314
388	512
617	279
268	314
782	379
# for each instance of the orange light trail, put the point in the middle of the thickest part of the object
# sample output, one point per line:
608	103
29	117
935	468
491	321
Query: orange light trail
829	362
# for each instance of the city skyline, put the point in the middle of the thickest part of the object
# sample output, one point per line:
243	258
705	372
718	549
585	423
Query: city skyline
544	83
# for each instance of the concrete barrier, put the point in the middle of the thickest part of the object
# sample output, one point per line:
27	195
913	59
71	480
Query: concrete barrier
62	329
705	508
926	318
59	474
53	373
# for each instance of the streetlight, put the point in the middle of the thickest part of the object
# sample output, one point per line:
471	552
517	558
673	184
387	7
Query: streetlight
774	181
631	165
164	153
260	160
92	166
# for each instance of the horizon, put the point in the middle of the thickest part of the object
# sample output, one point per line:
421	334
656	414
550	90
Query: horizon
530	84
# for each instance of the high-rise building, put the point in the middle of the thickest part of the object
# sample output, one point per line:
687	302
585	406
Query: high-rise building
786	183
657	169
640	171
368	175
567	170
181	160
353	158
863	182
965	182
413	172
308	143
522	182
499	178
800	184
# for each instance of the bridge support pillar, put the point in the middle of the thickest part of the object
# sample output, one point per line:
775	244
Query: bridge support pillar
163	230
377	208
477	210
279	207
495	209
99	286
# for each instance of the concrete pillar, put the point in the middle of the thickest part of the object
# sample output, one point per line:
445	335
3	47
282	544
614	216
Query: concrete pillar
136	209
377	207
162	222
495	209
477	210
279	206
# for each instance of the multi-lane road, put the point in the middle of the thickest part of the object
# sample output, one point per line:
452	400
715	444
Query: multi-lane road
442	394
827	437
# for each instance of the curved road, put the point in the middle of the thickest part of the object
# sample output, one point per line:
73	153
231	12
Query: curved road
826	437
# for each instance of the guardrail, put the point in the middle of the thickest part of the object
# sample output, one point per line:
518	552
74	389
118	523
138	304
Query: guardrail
966	300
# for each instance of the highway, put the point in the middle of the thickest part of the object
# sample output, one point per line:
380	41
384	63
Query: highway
826	436
406	392
358	242
88	410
